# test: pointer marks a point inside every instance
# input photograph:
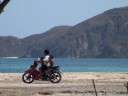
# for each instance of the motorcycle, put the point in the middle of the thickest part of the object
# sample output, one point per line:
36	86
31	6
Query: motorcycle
53	74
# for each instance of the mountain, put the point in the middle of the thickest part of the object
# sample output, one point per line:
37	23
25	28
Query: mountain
48	40
103	36
10	47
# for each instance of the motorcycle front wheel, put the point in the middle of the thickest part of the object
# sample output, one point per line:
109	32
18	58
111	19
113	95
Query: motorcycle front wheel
55	77
27	77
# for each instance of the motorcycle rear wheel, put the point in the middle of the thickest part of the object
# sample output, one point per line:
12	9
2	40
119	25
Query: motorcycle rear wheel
55	77
27	77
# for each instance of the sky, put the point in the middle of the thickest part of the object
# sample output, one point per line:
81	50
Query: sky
22	18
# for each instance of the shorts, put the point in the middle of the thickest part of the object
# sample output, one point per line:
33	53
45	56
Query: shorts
43	68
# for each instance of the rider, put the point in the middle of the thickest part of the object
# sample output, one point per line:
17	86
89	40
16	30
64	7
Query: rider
46	62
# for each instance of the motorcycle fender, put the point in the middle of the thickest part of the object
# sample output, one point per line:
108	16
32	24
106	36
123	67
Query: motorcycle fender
29	71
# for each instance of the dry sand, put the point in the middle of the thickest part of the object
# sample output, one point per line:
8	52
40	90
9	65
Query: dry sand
72	84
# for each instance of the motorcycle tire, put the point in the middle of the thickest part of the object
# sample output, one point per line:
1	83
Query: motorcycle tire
27	78
55	77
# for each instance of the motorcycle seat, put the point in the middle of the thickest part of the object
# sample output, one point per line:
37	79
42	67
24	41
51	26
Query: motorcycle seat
55	67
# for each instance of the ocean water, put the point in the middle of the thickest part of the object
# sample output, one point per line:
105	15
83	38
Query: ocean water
19	65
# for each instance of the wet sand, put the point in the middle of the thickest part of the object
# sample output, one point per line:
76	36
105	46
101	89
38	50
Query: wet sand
72	84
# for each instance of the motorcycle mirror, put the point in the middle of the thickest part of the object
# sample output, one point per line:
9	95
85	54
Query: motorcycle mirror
38	59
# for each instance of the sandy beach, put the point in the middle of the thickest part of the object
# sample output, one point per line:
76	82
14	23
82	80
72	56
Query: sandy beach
72	84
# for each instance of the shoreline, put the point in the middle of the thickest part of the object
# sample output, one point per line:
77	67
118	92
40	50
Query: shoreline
72	84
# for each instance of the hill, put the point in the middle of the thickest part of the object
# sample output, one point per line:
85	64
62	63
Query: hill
103	36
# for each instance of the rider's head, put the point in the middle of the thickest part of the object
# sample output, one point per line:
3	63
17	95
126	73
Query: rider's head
46	52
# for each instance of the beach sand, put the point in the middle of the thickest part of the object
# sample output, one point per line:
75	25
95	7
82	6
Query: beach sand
72	84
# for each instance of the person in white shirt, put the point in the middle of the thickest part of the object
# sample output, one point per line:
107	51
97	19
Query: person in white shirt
45	62
46	59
